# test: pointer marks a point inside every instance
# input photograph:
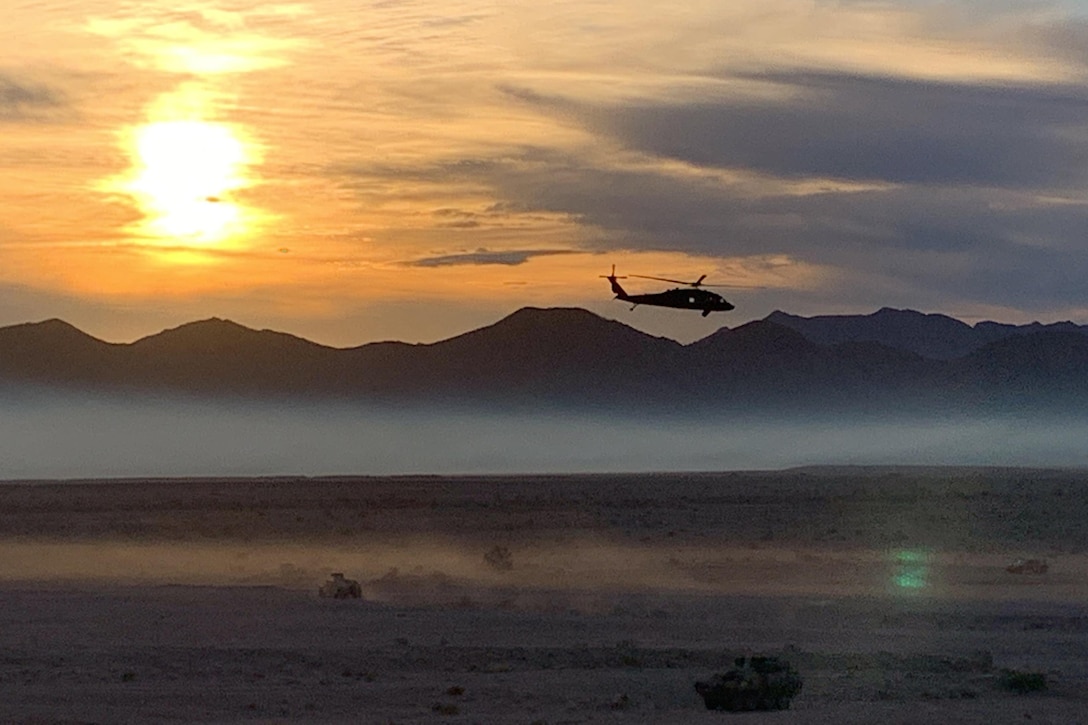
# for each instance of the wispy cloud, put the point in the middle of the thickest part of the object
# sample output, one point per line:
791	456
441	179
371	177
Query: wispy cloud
23	100
196	38
484	256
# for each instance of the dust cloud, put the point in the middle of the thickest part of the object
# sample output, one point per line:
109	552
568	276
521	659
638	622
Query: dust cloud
583	574
63	438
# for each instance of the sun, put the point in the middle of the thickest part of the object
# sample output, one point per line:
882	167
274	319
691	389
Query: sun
184	172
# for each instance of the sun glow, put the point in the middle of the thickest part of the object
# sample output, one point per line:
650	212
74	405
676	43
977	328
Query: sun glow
184	173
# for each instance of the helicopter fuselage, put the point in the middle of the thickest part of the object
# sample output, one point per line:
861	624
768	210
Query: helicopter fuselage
684	299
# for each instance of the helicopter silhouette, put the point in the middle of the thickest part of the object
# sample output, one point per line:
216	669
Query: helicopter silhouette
695	298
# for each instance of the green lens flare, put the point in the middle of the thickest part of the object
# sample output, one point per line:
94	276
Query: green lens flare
911	569
911	579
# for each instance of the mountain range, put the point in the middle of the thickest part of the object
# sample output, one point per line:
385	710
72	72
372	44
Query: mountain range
571	358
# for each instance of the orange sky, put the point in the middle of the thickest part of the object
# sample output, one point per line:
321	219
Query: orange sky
351	171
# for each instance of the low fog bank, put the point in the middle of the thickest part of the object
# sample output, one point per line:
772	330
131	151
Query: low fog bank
51	437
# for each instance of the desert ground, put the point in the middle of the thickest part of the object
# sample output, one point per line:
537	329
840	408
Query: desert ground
544	599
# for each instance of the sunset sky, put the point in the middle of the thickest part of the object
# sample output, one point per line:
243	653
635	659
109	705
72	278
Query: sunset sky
350	171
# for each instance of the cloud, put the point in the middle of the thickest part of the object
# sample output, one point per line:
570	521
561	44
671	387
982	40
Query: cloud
924	245
866	128
484	256
26	101
927	246
192	38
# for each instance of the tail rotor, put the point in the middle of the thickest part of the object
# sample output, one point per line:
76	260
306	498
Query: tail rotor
616	288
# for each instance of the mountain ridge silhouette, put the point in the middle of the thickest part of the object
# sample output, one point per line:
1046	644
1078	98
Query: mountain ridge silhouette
570	357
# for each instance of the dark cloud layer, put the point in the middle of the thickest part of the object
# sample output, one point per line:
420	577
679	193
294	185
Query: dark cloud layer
957	194
940	237
872	129
958	213
932	246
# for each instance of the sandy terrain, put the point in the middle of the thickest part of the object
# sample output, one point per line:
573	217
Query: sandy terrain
195	600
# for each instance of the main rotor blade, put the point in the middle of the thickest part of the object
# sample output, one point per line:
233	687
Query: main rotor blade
699	282
666	279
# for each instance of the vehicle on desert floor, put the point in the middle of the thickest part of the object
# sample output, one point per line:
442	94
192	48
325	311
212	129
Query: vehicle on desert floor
1028	566
340	588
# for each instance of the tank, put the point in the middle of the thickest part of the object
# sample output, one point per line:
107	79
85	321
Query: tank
755	683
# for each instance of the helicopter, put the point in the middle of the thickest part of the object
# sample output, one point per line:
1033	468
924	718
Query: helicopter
695	298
